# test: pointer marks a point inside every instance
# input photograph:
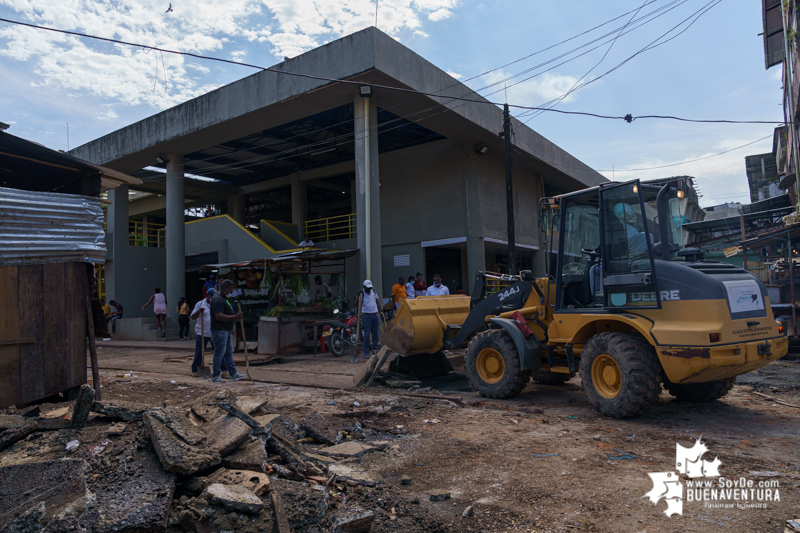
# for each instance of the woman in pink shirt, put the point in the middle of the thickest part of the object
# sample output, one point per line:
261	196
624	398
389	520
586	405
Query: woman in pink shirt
159	302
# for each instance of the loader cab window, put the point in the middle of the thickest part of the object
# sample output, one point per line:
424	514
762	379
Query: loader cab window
579	270
630	233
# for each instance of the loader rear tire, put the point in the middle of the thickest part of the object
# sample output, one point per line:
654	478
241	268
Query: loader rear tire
621	374
552	378
699	392
493	365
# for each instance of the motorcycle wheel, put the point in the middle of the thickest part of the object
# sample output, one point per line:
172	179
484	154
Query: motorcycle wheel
336	344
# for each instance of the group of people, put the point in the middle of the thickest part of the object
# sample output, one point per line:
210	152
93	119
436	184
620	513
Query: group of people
415	286
111	311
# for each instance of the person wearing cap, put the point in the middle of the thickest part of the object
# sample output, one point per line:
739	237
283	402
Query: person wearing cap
438	288
210	284
369	301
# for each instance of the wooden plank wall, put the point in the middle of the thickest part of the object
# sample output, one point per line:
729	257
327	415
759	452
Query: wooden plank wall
42	330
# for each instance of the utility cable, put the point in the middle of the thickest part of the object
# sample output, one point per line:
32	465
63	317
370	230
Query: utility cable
627	118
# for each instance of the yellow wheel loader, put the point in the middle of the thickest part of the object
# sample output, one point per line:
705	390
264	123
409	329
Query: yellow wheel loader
624	304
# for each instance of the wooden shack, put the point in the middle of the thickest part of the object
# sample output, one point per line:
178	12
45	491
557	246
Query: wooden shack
43	345
51	234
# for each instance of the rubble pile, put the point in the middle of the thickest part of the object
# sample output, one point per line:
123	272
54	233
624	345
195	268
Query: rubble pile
223	463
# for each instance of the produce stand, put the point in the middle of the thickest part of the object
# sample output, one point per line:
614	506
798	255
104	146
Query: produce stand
276	297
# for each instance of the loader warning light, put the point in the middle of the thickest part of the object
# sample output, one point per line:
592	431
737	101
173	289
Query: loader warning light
780	328
713	337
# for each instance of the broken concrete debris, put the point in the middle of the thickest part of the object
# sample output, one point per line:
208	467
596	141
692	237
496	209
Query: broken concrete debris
179	445
439	495
83	406
354	520
239	468
129	411
234	497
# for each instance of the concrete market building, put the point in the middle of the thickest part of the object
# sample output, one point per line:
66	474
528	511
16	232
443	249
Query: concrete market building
416	183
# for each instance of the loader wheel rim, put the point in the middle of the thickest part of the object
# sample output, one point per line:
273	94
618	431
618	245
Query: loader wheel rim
490	365
606	376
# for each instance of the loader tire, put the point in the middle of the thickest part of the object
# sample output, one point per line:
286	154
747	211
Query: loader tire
699	392
552	378
493	365
621	374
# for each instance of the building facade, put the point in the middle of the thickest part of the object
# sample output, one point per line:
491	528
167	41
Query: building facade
398	160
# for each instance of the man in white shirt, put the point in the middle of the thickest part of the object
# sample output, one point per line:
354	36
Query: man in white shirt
306	243
437	289
369	301
410	292
202	336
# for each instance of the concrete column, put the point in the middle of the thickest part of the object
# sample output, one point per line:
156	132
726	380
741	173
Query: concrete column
237	208
299	204
476	252
368	203
353	196
176	234
117	227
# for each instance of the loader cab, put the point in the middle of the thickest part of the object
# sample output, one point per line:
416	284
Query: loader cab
606	246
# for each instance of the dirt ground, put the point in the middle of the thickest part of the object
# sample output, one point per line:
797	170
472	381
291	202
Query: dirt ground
488	453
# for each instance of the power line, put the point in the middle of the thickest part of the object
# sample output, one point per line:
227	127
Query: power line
691	160
628	118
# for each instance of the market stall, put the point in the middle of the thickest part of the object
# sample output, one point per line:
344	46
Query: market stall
284	309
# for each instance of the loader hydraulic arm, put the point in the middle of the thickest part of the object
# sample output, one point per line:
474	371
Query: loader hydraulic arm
492	306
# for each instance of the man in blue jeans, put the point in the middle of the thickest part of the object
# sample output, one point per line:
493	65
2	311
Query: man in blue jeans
223	318
369	301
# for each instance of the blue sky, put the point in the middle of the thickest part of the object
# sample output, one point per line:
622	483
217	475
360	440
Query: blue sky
714	70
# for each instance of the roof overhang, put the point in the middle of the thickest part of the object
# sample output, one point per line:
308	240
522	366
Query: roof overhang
269	99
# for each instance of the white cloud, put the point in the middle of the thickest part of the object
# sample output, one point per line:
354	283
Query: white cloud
420	33
110	114
456	75
123	74
301	23
533	92
719	179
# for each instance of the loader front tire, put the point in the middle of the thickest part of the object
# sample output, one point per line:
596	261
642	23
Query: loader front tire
621	374
552	378
700	392
493	365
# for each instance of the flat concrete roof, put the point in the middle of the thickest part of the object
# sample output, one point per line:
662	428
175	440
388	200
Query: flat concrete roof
268	99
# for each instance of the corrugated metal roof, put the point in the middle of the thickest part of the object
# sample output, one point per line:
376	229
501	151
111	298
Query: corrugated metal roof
42	227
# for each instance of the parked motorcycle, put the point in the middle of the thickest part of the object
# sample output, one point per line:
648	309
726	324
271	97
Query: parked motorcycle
342	334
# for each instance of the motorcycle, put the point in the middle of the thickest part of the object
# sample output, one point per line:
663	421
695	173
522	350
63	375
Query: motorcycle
342	334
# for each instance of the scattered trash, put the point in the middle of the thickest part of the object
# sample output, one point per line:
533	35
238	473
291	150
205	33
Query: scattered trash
625	455
172	381
180	388
572	417
431	421
764	473
94	450
356	404
72	445
331	403
467	512
107	339
546	455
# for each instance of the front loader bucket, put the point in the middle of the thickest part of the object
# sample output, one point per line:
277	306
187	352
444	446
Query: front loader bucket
419	324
